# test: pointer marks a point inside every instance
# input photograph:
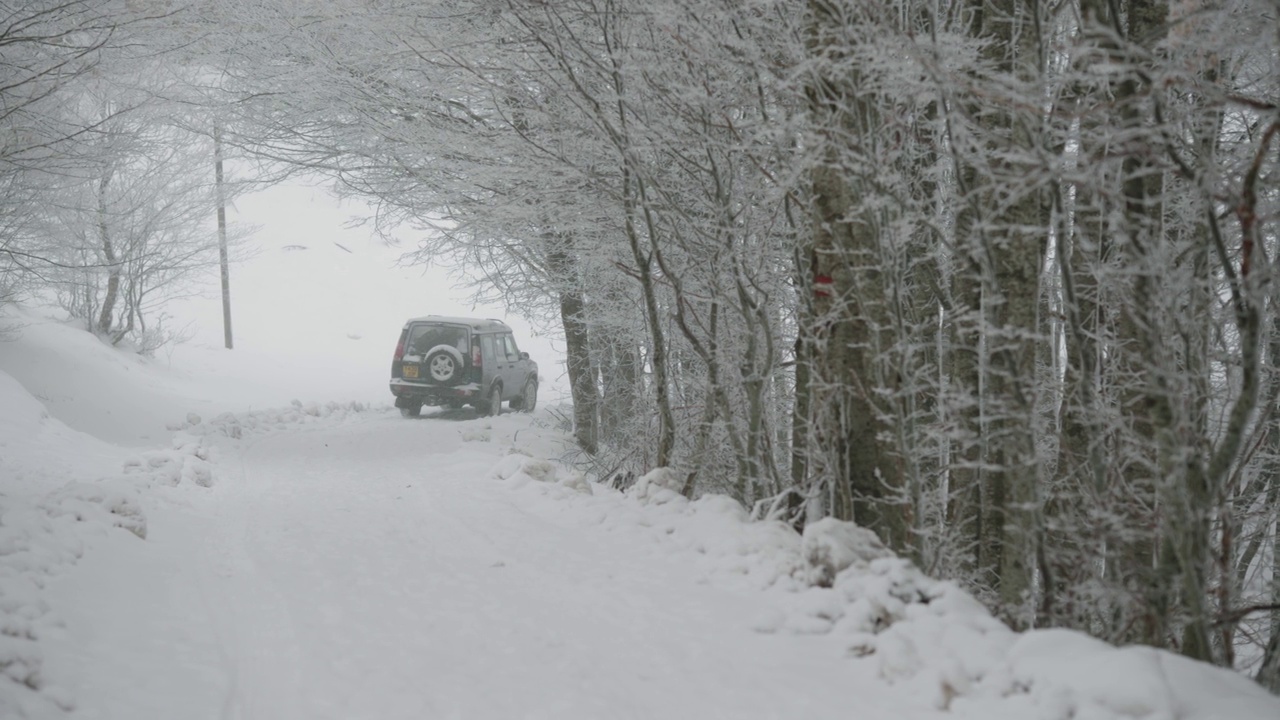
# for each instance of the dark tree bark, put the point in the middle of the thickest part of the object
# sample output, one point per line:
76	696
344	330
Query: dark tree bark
849	307
582	380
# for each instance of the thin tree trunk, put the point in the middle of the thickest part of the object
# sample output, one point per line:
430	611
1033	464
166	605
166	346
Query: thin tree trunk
620	378
658	358
106	315
635	203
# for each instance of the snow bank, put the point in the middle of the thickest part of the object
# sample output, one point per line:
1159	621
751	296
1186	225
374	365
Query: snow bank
114	395
931	639
21	415
61	491
1060	674
714	532
39	538
238	425
128	399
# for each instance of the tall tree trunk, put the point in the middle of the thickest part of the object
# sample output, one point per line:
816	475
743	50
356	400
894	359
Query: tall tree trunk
1157	472
849	302
582	381
107	314
1002	227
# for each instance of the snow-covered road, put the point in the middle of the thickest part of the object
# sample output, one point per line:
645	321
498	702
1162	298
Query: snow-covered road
374	569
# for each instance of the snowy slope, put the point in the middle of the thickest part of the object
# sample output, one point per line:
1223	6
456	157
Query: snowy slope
116	396
60	491
334	560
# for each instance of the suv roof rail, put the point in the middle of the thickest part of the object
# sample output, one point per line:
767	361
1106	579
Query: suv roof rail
475	323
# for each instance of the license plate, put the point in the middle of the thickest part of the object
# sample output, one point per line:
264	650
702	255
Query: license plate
410	371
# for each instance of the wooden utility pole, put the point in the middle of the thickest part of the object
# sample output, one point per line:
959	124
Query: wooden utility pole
222	236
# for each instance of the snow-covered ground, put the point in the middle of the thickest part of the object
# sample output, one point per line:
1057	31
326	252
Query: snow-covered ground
258	534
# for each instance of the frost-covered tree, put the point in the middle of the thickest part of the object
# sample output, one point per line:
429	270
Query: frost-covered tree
990	278
44	46
109	194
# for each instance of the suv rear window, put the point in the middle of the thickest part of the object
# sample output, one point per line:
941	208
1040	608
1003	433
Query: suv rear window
424	337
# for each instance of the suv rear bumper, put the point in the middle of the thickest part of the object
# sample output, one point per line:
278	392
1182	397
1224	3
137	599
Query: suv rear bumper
408	392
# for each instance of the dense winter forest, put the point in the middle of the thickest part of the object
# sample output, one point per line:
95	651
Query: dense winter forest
993	278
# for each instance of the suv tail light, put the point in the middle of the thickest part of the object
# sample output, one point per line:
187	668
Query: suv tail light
404	335
475	355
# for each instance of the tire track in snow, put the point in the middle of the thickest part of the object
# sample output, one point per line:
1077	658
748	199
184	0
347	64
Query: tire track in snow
259	647
417	587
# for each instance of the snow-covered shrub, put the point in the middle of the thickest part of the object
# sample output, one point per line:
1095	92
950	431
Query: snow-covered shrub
829	546
577	482
658	487
518	469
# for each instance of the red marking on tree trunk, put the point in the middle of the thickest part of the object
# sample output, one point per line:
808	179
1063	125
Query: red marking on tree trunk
822	285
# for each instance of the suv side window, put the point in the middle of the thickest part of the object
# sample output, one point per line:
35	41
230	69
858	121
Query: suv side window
486	348
513	353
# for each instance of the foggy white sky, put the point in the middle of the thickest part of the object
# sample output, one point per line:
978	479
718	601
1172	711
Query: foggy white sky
329	318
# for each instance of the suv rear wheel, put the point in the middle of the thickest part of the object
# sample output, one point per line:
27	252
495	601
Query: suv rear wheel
411	411
528	399
492	404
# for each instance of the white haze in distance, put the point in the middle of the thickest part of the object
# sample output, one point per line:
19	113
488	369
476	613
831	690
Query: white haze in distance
317	305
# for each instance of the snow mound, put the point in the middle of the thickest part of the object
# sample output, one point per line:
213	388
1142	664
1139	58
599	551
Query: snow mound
187	462
831	546
125	398
61	492
714	532
1064	674
38	540
21	415
482	433
518	469
39	452
105	504
928	638
256	422
658	487
109	393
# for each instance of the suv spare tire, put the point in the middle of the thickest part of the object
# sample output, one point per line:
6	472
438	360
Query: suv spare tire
444	364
